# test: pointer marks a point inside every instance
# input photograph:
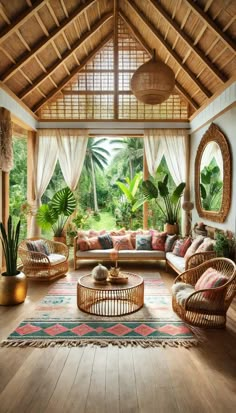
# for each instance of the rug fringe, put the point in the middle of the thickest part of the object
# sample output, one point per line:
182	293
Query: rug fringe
99	343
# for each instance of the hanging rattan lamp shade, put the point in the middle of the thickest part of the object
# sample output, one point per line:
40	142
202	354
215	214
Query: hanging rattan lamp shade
153	82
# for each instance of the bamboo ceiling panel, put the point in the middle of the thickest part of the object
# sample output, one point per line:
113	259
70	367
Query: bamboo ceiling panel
39	52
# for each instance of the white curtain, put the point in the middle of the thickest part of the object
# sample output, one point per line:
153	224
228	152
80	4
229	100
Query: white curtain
72	144
172	144
175	153
154	150
46	153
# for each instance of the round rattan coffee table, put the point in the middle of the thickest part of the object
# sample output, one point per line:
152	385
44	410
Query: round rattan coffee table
108	299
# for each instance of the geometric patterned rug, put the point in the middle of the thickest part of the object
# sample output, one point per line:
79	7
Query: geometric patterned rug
58	321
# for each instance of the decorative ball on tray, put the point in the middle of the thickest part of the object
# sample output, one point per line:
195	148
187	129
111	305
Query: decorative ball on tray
100	273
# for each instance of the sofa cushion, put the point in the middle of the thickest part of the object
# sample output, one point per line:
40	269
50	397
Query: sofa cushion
143	242
177	262
181	246
207	245
122	242
122	254
193	247
105	241
170	240
158	240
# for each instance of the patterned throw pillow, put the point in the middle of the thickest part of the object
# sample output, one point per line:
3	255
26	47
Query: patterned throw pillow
38	246
211	278
105	241
94	243
92	233
170	240
133	235
83	243
143	242
181	247
122	242
194	246
207	245
158	240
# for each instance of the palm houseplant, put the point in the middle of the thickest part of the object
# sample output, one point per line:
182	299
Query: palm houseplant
170	207
55	213
13	283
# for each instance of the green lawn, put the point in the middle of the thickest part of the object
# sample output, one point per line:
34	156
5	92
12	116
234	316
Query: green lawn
107	222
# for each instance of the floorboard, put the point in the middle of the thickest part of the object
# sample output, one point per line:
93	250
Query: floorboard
117	380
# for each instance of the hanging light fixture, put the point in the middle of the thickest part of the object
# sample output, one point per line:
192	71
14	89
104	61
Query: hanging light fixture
153	82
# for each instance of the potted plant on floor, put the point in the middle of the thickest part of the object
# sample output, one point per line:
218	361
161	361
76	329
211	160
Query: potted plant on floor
171	201
55	214
13	283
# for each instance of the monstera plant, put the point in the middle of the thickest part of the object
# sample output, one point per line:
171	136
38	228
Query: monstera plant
171	199
55	214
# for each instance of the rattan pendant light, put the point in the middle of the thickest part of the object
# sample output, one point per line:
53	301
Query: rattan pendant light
153	82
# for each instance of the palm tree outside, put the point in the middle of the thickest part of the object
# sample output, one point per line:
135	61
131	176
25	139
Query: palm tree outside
96	157
132	151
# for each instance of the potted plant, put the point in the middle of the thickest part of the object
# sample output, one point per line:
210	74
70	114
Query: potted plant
13	283
171	201
55	214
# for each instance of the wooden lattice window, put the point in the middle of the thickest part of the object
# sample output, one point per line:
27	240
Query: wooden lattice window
90	95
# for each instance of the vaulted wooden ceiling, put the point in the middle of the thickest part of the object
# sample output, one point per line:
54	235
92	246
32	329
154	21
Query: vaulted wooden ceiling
45	43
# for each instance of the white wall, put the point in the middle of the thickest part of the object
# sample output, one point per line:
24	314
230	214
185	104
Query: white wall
227	123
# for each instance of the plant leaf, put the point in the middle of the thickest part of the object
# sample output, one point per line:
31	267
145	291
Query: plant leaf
149	190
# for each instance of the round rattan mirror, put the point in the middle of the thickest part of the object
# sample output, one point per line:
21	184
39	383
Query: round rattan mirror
213	176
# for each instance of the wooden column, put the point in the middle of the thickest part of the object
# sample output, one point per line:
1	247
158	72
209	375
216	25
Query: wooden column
31	142
145	205
187	215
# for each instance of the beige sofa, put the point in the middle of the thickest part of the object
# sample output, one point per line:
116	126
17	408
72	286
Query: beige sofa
178	264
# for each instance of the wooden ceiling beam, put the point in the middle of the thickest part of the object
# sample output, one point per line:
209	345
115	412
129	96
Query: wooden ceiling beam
212	25
213	68
67	54
169	49
21	19
148	49
74	72
45	41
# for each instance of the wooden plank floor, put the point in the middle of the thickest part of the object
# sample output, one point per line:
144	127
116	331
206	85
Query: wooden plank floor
117	380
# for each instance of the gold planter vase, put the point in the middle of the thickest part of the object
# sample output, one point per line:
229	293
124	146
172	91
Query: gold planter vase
13	288
171	229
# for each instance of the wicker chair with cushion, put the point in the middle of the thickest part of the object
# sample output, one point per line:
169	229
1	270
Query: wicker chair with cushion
43	259
202	295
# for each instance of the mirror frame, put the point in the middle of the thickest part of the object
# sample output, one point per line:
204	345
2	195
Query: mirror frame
214	134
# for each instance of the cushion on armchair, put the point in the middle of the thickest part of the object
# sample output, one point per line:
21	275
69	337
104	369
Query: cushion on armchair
211	278
37	246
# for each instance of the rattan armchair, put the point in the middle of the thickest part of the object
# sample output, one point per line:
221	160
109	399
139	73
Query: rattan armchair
39	266
198	310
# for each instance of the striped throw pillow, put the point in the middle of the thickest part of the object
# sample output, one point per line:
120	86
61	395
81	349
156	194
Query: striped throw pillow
211	278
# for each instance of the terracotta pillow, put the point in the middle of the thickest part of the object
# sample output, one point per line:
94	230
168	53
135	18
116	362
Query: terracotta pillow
181	247
83	243
133	235
158	240
207	245
94	243
194	246
211	278
122	242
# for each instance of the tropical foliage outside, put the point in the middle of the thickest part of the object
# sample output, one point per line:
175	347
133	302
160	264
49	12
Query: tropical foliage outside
109	186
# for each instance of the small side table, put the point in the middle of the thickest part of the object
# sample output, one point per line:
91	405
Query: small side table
109	299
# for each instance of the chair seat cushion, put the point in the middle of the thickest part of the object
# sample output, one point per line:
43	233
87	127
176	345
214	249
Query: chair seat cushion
182	291
56	258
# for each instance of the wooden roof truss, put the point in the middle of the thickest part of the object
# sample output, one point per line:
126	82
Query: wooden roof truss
45	43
